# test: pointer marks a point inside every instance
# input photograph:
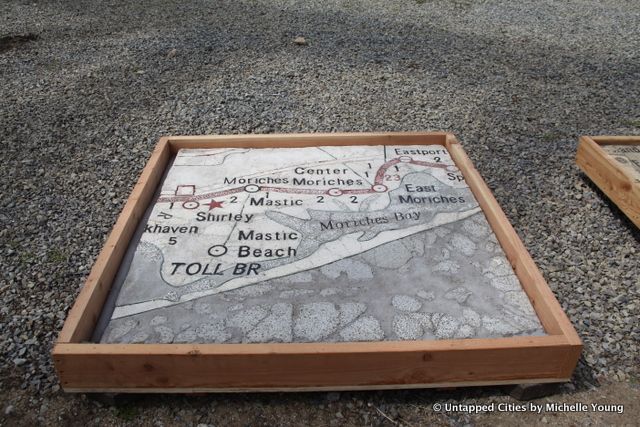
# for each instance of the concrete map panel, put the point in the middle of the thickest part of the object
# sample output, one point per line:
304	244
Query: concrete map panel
320	244
628	156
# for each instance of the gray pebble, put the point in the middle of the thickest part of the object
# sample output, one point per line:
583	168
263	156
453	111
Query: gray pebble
406	303
365	328
316	321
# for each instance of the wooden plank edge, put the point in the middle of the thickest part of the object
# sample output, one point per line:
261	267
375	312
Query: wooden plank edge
307	140
66	354
610	177
615	139
298	136
544	302
75	361
515	381
590	152
572	357
269	370
64	349
81	318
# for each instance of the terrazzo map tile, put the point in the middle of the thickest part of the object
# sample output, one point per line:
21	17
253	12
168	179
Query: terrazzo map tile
320	244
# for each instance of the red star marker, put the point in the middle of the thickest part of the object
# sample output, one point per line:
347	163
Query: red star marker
213	204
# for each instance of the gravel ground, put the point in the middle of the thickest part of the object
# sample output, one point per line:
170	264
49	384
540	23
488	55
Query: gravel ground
87	87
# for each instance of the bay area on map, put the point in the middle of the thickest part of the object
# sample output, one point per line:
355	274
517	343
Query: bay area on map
318	244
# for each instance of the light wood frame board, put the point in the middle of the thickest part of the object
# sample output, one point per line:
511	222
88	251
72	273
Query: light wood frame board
84	366
605	171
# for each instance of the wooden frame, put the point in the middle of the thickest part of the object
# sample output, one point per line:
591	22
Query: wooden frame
616	182
83	366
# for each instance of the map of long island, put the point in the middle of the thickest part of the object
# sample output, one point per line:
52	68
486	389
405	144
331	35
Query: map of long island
317	244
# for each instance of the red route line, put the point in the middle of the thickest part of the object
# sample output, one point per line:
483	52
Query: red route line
293	190
380	174
187	198
379	180
358	191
